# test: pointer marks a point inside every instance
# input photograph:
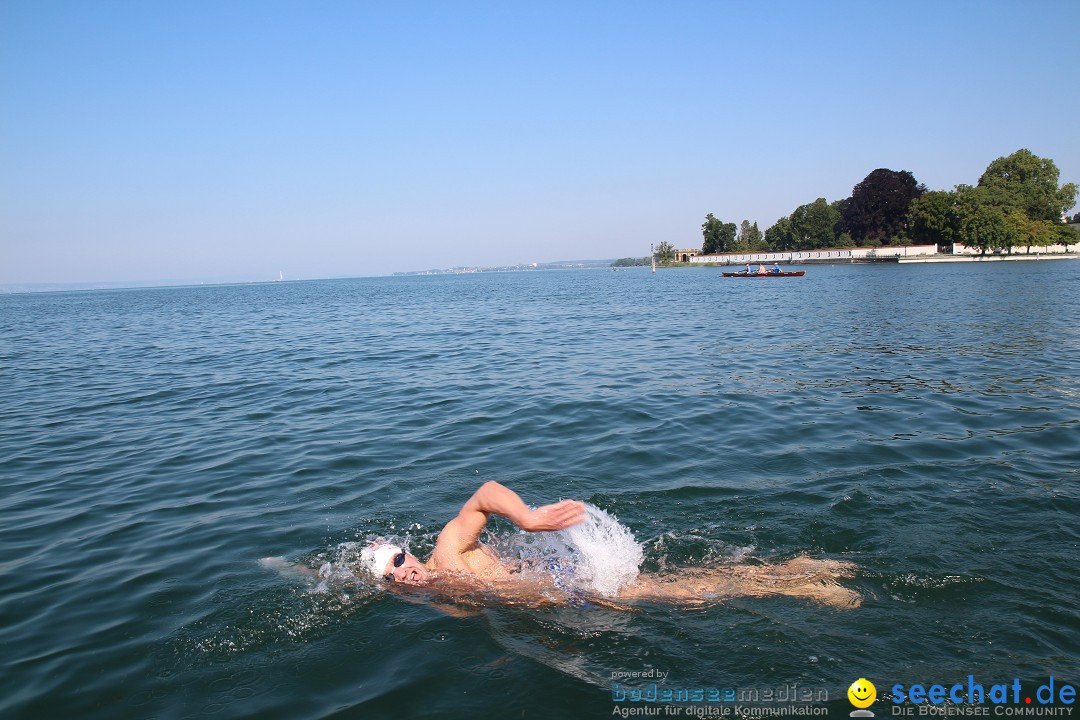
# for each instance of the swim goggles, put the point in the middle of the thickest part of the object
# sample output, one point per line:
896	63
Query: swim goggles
399	560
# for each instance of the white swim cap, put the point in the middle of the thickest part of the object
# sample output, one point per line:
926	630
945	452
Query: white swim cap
376	556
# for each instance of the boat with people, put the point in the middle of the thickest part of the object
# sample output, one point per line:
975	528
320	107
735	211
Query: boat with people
795	273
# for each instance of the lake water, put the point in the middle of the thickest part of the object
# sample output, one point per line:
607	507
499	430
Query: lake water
922	422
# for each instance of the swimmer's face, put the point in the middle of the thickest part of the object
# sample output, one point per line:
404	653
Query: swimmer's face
412	571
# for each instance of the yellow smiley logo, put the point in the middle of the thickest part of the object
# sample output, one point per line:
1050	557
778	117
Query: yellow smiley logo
862	693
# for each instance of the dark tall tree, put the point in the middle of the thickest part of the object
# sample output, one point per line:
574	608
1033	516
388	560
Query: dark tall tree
717	236
878	208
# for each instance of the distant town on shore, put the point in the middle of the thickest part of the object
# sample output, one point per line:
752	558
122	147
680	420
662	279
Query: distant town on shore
524	267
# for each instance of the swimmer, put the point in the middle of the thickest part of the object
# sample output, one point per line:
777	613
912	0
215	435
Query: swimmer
460	566
458	549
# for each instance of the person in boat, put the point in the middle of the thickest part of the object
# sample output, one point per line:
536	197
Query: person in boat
776	268
761	269
460	566
748	270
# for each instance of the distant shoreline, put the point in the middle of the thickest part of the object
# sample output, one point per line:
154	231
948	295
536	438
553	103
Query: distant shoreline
76	287
26	288
521	267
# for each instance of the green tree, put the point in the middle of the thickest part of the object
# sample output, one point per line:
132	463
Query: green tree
1065	235
759	244
740	244
717	236
981	221
813	225
665	252
1030	183
1017	225
932	219
1025	231
711	231
841	227
750	238
780	237
1017	203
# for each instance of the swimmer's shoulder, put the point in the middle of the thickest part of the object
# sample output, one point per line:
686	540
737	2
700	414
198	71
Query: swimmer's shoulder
477	560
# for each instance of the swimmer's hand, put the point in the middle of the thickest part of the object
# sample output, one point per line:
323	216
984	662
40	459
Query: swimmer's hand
556	516
461	534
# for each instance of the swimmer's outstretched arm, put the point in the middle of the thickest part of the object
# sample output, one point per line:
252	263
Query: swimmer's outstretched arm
461	533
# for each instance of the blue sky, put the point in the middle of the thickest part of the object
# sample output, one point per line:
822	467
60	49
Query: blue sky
148	141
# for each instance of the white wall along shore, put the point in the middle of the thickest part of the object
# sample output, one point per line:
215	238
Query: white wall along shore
894	253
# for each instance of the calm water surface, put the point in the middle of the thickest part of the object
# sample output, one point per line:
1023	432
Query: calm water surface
921	422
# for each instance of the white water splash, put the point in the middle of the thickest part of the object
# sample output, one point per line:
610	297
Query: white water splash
607	557
599	555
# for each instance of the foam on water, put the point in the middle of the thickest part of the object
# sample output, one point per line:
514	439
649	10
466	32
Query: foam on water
343	569
345	564
599	555
608	557
693	547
